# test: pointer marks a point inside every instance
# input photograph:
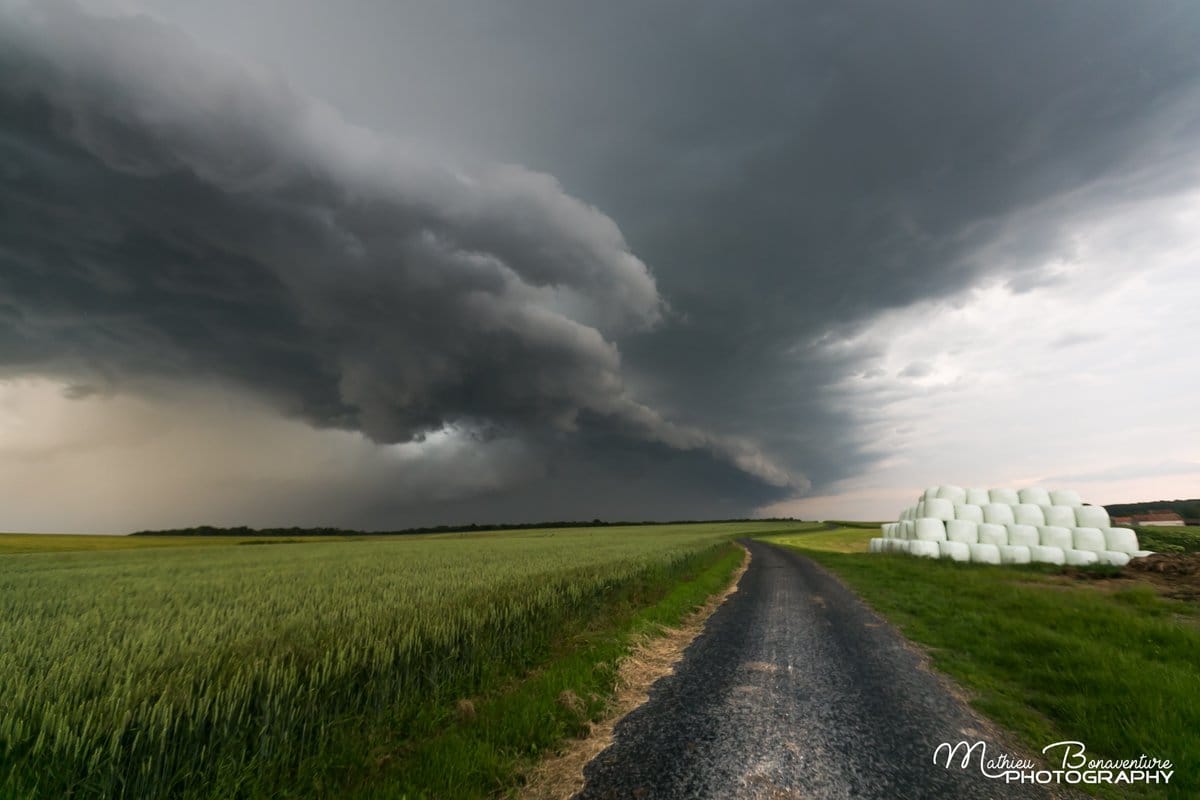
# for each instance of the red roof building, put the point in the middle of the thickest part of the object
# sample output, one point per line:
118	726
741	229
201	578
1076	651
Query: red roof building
1158	518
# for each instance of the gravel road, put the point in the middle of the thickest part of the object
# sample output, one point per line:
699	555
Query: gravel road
795	690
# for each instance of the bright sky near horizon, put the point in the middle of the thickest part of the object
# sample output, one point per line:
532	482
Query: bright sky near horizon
380	265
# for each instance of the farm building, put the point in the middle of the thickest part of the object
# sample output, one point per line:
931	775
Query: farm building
1157	518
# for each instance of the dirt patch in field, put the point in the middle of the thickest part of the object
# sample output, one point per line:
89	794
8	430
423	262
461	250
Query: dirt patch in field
1176	575
1173	575
561	776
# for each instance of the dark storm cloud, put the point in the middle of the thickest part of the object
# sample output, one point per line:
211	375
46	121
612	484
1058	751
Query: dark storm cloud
167	214
595	475
793	169
789	169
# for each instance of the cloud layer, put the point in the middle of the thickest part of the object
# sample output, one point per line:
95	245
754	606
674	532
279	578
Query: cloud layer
171	215
849	207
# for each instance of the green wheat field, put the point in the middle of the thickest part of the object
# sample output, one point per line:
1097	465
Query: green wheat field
222	670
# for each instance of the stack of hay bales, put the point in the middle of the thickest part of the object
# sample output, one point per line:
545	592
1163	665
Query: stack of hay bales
1003	526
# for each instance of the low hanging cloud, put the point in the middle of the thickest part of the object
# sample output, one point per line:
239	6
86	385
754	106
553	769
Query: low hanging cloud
222	459
169	215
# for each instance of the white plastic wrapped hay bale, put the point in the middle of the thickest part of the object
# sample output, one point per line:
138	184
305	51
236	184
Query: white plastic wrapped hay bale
1059	516
939	509
955	494
955	551
968	512
1022	535
998	514
920	510
1092	517
924	549
1065	497
890	530
1034	495
1028	514
908	529
900	545
1006	497
1085	538
961	530
984	553
875	546
1093	540
993	534
1112	558
930	530
1046	555
931	493
978	497
1122	540
1014	554
1055	536
1080	558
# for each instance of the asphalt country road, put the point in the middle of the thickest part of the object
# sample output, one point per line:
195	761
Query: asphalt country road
795	689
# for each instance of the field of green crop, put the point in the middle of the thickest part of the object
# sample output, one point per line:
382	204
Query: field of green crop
232	671
1170	539
47	543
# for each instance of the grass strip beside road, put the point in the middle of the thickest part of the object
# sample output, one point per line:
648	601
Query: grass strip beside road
499	737
1115	666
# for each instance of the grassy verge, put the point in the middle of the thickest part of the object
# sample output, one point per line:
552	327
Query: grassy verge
1170	539
495	738
1114	666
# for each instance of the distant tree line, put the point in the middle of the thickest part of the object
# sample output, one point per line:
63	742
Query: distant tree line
244	531
1188	509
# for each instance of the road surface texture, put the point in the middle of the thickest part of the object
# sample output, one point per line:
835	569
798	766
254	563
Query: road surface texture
795	689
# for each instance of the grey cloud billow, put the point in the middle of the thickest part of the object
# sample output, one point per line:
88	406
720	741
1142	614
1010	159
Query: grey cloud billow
170	215
793	169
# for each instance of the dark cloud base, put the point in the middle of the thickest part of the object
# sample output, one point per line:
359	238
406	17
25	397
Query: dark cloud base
168	216
599	478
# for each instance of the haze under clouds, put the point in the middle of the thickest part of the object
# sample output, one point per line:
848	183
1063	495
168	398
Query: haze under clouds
382	264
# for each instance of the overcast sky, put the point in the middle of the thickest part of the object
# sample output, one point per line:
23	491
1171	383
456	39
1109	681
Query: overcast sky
380	264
